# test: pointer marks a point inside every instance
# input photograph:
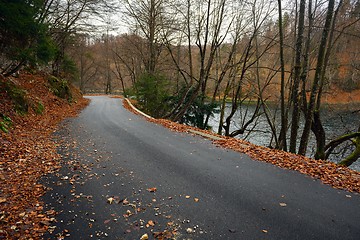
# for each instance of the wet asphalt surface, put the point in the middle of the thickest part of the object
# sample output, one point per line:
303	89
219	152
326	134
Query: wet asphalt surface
113	160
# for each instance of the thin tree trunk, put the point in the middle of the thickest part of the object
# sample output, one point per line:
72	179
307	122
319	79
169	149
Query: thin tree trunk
318	129
317	78
296	82
355	155
284	120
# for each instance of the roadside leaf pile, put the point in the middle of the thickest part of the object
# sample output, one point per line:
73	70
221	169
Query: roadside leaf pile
27	153
328	172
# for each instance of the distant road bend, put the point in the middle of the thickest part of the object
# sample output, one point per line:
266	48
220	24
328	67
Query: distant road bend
203	191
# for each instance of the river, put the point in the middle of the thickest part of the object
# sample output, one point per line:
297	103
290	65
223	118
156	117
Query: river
337	120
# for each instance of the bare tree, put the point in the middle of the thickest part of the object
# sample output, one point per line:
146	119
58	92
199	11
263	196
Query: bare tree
149	19
260	11
88	68
67	17
284	116
205	25
320	67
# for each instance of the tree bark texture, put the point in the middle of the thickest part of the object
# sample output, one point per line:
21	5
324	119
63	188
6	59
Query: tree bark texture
296	81
317	78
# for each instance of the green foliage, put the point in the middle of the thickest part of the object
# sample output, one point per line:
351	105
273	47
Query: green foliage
17	96
69	68
197	112
60	87
154	97
5	124
152	93
129	92
23	38
39	108
45	48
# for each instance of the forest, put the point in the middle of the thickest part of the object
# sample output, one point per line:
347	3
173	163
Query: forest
285	62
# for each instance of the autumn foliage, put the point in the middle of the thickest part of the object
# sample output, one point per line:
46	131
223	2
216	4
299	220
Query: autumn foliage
27	153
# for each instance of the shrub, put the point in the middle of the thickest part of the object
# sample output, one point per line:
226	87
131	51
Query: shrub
198	110
39	108
17	96
5	124
60	87
152	94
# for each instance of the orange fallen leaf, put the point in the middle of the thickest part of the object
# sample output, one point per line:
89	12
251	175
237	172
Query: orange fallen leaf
154	189
150	223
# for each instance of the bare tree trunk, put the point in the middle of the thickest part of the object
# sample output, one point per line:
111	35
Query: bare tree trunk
222	108
207	50
317	127
305	68
284	117
317	78
235	103
151	40
355	155
355	138
296	81
222	75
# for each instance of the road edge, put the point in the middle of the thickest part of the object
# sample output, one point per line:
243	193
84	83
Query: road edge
205	135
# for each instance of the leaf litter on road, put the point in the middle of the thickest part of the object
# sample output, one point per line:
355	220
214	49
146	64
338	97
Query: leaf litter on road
27	153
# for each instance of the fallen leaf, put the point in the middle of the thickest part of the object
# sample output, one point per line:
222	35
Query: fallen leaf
196	199
265	231
110	200
2	200
151	223
154	189
47	223
283	204
164	235
22	214
144	237
187	196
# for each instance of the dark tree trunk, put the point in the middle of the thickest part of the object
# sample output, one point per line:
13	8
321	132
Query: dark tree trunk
284	120
318	74
355	155
296	82
318	129
319	132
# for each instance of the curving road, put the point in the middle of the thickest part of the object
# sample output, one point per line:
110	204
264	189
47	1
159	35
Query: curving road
114	159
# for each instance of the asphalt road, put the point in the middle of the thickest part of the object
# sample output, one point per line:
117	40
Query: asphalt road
112	158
